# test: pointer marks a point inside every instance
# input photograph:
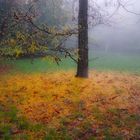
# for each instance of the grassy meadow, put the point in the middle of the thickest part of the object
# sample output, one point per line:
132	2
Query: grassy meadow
40	100
98	61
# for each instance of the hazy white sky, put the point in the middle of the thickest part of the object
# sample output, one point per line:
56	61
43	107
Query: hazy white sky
124	29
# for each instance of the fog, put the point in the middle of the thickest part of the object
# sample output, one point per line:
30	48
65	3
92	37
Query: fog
114	29
111	29
122	34
120	30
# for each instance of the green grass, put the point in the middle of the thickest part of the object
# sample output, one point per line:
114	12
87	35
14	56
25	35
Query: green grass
117	62
104	62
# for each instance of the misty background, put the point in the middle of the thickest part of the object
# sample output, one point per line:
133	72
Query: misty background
118	34
122	35
114	38
116	42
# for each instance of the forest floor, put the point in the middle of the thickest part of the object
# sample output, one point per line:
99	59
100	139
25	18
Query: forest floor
58	106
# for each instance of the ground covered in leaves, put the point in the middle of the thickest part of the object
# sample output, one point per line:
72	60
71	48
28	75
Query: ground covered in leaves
58	106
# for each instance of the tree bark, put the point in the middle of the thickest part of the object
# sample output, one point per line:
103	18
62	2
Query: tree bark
82	67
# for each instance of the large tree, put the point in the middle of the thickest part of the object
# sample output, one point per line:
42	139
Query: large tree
82	66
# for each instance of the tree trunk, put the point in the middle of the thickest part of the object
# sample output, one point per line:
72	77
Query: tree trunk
82	67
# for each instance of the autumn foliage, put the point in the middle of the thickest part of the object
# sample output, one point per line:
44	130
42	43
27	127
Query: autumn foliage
59	106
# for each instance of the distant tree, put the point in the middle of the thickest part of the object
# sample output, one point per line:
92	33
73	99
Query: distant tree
5	16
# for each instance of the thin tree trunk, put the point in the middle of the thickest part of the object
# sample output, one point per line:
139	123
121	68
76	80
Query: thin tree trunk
82	67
